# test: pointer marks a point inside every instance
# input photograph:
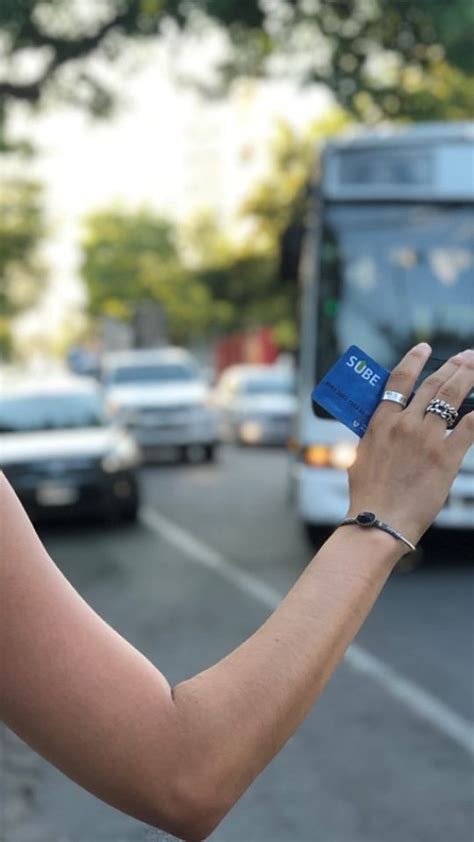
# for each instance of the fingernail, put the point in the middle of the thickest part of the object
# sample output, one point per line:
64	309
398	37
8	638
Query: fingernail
466	356
423	346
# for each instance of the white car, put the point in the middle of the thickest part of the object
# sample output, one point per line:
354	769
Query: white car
161	396
61	455
257	404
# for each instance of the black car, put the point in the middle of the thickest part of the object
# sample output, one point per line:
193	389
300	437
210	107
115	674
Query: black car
61	455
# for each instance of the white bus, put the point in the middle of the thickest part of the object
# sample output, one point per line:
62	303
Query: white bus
388	261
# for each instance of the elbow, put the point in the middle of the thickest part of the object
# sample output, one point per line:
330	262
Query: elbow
195	826
193	814
195	830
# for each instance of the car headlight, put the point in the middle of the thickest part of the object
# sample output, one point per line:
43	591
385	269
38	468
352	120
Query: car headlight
111	408
121	414
251	431
122	455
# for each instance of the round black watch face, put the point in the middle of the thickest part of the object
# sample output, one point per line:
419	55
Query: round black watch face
366	518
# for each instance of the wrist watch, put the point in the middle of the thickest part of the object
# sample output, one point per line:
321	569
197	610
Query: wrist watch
369	519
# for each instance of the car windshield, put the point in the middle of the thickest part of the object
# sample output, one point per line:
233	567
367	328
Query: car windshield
163	373
267	386
391	276
30	413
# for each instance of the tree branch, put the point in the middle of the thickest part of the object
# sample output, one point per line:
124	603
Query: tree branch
65	50
30	92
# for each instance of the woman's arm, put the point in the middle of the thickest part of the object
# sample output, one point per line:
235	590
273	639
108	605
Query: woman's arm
180	758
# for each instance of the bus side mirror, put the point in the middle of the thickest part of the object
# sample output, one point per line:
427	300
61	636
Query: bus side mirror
291	242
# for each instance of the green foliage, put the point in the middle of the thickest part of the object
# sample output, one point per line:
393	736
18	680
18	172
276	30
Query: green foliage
22	273
132	256
245	277
242	285
368	52
207	282
241	278
396	59
380	58
278	204
280	199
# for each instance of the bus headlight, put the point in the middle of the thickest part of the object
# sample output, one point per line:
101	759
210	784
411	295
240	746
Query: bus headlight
340	455
343	455
317	456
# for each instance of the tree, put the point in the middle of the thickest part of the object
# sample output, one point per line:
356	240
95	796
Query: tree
206	283
277	209
280	198
22	272
380	58
246	278
238	275
132	256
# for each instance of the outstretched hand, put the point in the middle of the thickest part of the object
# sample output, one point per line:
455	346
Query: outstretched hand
406	462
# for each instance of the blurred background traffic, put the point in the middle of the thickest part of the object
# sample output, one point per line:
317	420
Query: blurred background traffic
202	206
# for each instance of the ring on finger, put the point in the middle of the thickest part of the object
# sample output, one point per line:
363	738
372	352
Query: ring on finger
445	411
395	397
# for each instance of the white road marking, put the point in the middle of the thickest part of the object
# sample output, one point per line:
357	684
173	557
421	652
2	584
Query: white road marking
422	703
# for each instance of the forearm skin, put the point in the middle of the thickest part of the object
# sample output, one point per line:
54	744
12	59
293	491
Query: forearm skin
240	712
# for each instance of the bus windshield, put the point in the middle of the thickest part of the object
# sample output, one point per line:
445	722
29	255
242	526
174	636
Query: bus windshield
394	275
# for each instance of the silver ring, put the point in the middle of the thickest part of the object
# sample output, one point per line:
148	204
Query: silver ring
395	397
445	411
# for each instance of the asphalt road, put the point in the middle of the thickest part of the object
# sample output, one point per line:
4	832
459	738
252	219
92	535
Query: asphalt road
384	756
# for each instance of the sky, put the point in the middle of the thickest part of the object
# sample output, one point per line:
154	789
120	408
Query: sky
165	147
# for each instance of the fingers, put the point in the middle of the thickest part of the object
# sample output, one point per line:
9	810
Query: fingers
404	377
451	383
462	438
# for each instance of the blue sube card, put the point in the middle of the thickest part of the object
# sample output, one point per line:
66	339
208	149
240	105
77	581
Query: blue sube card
352	389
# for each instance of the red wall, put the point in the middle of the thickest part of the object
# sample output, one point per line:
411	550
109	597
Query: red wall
257	346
